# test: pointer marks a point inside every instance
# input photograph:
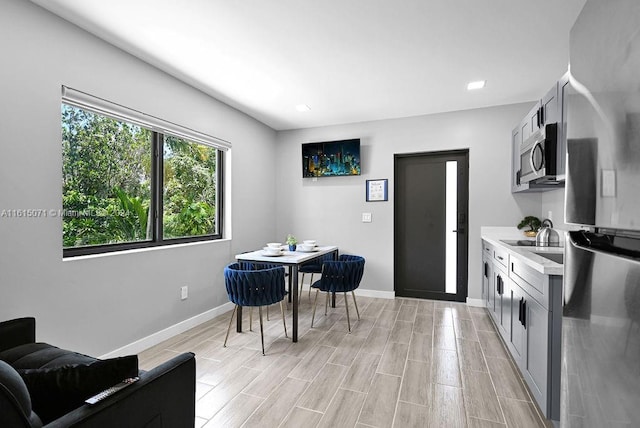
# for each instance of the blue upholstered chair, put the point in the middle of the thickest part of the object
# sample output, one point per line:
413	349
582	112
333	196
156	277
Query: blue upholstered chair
256	285
340	276
313	267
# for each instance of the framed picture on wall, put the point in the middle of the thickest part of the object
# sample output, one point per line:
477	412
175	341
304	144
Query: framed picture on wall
377	190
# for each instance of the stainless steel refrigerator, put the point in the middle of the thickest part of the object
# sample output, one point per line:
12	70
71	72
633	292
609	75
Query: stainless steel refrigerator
600	385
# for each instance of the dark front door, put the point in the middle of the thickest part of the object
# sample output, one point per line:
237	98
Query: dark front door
430	230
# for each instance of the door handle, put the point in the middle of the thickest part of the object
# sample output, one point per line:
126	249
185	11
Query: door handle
458	231
524	314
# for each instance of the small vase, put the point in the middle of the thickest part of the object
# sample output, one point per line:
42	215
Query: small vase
292	247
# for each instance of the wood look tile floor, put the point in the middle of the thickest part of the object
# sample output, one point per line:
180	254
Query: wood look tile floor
406	363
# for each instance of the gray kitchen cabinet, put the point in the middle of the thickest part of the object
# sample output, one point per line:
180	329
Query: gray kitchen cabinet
526	307
530	343
518	342
548	110
536	360
488	291
549	107
496	280
502	309
563	88
516	142
531	122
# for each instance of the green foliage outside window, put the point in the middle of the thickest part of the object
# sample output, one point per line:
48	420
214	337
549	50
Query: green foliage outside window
107	183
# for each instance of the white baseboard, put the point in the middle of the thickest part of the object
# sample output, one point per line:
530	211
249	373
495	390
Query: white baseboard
155	338
476	302
375	293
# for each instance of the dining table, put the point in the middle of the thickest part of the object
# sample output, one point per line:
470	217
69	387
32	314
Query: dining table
292	260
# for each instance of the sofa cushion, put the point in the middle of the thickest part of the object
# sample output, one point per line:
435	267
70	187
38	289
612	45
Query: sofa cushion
15	403
57	390
42	355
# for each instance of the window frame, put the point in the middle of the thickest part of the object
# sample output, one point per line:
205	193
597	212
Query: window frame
157	194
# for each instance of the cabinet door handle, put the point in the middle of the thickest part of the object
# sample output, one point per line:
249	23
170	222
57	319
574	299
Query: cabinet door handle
524	314
538	118
486	270
520	311
500	257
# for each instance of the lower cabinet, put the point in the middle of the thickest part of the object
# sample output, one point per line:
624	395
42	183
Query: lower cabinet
488	292
526	307
529	343
502	307
518	342
536	362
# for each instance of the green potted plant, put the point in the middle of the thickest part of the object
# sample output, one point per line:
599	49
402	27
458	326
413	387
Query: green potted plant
533	223
291	241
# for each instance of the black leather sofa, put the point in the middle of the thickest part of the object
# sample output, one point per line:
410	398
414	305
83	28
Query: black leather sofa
162	397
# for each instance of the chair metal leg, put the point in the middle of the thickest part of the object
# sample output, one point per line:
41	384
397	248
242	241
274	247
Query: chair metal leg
313	314
301	285
250	318
261	332
326	304
235	307
283	323
267	312
355	304
346	305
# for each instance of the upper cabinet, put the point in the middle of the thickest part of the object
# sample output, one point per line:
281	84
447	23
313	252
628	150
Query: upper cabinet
537	145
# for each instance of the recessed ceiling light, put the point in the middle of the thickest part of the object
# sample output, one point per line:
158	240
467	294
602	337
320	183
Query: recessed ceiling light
303	107
479	84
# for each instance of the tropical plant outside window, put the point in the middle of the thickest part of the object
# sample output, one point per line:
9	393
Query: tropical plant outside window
189	188
111	179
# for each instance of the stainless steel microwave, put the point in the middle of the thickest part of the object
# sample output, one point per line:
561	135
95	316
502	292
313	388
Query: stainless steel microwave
538	156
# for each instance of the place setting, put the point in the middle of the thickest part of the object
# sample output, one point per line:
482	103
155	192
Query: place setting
273	249
308	246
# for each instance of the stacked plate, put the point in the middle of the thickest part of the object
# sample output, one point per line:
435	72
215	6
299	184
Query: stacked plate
272	249
308	246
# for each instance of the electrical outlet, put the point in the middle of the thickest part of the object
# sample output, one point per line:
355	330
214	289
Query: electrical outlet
184	292
366	217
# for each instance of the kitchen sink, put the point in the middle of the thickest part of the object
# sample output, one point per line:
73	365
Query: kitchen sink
554	257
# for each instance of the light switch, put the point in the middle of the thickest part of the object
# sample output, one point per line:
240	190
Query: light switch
366	217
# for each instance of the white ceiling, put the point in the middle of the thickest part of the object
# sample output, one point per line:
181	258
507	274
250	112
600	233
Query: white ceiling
349	60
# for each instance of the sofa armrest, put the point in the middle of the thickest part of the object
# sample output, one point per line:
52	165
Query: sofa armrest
164	396
17	332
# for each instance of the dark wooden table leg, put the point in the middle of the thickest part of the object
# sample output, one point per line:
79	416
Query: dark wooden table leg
333	295
290	278
294	312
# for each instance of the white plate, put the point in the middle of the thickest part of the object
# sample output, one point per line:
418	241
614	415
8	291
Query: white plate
307	251
264	253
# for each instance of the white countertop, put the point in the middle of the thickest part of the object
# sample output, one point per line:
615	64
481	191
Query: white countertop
495	235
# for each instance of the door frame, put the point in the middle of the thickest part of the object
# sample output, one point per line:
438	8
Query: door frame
463	208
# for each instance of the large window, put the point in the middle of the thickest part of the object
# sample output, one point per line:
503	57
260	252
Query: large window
127	185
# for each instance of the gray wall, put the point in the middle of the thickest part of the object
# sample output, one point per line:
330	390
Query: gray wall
99	304
330	209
